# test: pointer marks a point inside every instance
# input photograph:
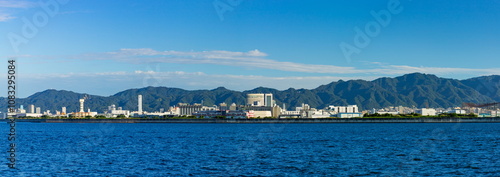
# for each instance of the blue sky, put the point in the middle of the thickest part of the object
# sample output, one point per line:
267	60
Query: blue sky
103	47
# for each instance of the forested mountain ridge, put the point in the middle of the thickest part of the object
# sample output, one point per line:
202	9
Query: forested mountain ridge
416	89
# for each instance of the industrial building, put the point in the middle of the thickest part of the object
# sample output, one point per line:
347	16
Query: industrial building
188	110
426	112
344	109
260	99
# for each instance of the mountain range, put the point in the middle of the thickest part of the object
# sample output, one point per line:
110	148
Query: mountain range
416	89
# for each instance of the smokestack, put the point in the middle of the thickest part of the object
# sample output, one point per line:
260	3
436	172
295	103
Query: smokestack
139	104
81	105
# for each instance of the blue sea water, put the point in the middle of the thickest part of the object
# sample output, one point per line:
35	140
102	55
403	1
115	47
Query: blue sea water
72	149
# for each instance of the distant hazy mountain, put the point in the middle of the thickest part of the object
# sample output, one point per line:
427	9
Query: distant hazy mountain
420	90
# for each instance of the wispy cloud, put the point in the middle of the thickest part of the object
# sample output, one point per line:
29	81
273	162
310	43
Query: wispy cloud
16	4
107	83
6	7
5	17
75	12
402	69
250	59
258	59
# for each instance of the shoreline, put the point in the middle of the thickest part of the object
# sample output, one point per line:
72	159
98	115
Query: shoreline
271	121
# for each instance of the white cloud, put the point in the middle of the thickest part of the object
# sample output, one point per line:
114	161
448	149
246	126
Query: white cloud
16	4
108	83
76	12
5	17
256	59
7	5
250	59
402	69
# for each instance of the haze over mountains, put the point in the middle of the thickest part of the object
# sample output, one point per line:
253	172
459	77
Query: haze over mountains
416	89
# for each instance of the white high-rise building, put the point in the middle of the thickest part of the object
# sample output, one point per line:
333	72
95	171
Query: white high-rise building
31	109
112	108
63	110
260	99
82	101
139	104
255	99
268	100
38	110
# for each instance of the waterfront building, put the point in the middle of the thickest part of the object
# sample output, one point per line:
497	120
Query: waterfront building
233	107
28	115
349	115
82	101
344	109
255	99
319	114
349	111
290	114
115	113
305	111
427	112
139	104
209	108
260	99
223	107
31	109
387	112
188	110
495	113
111	108
259	114
458	111
83	114
276	111
156	115
21	110
262	111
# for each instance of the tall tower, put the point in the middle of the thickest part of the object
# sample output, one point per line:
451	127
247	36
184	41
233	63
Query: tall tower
139	104
268	100
31	109
81	105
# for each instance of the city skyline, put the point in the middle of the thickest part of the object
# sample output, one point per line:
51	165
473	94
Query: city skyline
86	94
258	105
102	48
412	90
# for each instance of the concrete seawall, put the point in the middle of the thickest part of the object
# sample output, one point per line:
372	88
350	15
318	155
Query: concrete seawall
329	120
